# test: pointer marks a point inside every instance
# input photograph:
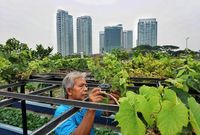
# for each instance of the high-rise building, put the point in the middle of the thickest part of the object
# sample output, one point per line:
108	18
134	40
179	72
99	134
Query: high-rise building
101	41
65	43
84	35
147	32
112	37
127	39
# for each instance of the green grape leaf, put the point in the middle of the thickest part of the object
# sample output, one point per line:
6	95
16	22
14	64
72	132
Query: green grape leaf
172	118
182	95
194	109
170	96
128	120
180	72
148	92
179	82
194	82
122	81
148	103
149	109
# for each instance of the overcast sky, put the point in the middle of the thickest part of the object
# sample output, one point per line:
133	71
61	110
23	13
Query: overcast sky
34	21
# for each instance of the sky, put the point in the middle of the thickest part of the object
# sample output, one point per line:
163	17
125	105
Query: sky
34	21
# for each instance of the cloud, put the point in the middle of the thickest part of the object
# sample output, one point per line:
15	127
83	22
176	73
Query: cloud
97	2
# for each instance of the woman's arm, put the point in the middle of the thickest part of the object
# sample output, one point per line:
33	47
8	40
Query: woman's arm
88	120
86	124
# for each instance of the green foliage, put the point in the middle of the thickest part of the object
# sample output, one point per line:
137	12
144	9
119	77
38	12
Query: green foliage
148	103
186	78
157	51
48	65
104	131
110	70
14	45
14	117
25	61
129	122
76	64
41	52
120	54
169	48
165	50
162	111
30	87
145	49
18	55
5	65
194	115
148	66
173	115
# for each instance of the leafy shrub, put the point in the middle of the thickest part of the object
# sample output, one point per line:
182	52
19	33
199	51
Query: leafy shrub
14	117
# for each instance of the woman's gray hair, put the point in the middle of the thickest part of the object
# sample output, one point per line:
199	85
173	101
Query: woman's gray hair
68	81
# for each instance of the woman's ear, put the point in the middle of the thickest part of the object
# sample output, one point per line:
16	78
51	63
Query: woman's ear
69	91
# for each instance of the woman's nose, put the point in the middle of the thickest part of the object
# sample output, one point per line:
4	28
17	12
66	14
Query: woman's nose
85	88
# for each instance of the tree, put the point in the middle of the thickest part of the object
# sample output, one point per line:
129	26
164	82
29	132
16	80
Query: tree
41	52
14	45
19	55
169	48
120	54
145	49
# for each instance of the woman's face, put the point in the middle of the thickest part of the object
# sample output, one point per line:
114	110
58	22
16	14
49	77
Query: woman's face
79	91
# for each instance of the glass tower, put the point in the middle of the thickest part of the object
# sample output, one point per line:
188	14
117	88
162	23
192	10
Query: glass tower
101	41
127	39
112	37
64	23
84	35
147	32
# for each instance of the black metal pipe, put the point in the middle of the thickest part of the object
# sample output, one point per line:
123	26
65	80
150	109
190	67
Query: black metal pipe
10	101
51	93
23	108
44	89
45	81
7	102
76	103
53	124
12	85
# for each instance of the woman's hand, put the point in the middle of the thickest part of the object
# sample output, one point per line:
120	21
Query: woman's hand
116	95
96	95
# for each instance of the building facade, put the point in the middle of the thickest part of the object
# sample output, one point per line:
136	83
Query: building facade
101	41
84	35
64	23
112	37
147	32
127	39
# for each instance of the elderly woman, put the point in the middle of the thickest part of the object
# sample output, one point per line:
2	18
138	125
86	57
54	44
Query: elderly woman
81	123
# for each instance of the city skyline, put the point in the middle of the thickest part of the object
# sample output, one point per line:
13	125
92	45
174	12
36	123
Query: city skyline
114	37
34	22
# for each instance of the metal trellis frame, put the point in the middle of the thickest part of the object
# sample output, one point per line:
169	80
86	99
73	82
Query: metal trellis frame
33	96
56	82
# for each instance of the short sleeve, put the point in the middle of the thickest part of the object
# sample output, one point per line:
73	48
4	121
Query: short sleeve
98	113
68	126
